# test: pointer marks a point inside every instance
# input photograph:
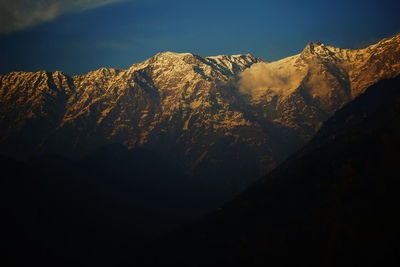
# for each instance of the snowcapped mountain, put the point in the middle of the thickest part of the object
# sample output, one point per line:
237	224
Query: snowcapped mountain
233	115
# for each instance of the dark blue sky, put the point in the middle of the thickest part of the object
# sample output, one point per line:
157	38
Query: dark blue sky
121	34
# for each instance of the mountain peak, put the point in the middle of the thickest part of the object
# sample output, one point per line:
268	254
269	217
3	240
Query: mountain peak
234	56
171	54
174	58
318	49
313	45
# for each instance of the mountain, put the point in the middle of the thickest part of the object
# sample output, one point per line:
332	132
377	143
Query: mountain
304	90
95	165
219	118
333	203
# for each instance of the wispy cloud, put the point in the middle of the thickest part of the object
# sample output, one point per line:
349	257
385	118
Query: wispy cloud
21	14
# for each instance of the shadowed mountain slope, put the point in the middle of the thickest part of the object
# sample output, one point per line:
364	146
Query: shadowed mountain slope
333	203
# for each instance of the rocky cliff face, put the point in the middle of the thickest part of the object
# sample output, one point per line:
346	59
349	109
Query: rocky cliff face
210	114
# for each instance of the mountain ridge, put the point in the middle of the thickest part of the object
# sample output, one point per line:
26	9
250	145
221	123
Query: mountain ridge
209	113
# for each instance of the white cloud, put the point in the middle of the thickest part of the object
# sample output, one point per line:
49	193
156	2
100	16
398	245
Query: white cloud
280	77
21	14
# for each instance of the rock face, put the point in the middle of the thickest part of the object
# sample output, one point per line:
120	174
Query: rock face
231	116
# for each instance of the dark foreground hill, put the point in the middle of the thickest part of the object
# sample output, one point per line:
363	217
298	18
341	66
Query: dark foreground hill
334	203
90	211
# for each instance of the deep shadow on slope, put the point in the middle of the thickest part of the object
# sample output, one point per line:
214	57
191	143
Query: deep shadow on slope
334	203
95	210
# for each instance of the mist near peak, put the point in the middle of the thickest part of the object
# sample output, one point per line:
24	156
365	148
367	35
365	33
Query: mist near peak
280	78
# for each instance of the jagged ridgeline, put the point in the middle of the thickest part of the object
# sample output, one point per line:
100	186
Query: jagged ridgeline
223	120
